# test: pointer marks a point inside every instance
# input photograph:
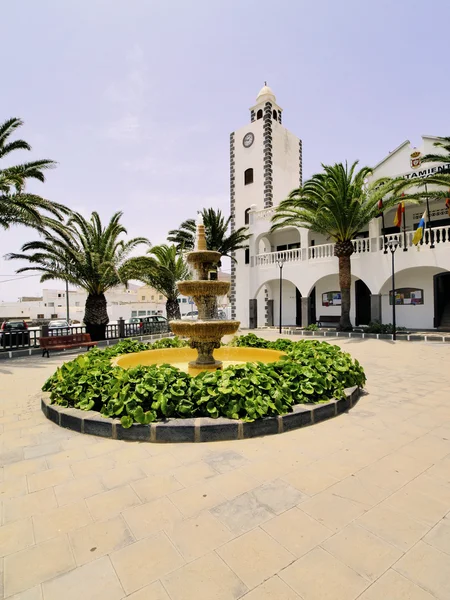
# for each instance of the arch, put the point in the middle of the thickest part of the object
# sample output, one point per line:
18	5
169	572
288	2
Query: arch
247	216
248	176
417	283
259	114
268	303
275	115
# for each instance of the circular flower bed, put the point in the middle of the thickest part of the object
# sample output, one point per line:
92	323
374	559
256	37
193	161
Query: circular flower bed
310	372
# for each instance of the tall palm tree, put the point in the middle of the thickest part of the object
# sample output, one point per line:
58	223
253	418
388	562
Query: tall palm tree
337	203
17	206
161	269
88	255
217	233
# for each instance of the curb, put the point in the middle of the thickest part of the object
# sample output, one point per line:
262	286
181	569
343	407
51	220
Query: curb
202	429
401	337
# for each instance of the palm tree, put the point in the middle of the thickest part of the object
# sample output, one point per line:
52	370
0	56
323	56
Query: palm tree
161	270
87	255
337	203
217	237
17	206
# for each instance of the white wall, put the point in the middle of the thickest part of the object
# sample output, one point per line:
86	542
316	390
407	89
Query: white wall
330	283
289	311
411	316
286	162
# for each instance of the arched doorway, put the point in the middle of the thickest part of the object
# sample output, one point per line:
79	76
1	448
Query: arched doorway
362	303
441	289
264	308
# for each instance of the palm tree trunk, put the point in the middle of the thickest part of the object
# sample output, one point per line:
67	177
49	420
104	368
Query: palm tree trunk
173	309
345	279
96	316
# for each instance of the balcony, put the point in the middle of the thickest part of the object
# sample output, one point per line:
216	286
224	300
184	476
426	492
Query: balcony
436	237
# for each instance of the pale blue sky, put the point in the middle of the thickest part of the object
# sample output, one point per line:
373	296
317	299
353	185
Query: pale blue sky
136	100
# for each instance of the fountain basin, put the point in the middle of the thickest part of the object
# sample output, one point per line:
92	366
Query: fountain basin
203	288
181	357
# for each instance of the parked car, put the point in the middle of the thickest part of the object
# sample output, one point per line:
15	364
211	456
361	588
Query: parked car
14	333
146	325
59	327
192	315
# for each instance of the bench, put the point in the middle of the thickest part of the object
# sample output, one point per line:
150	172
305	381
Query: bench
63	342
328	319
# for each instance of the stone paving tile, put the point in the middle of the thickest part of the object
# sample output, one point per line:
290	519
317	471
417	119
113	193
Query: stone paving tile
156	486
16	536
394	586
332	511
255	556
154	591
93	541
278	496
96	580
198	535
32	594
13	488
439	536
196	498
188	475
37	564
233	483
24	467
29	505
272	589
242	513
145	561
206	578
49	478
377	557
310	480
151	517
111	503
393	527
320	576
121	476
225	461
297	531
427	567
78	489
60	520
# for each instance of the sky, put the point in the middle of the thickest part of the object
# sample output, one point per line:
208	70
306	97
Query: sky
136	100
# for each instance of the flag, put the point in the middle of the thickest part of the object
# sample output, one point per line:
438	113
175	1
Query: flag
399	214
380	207
447	204
420	229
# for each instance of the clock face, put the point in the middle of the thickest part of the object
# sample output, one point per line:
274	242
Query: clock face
248	140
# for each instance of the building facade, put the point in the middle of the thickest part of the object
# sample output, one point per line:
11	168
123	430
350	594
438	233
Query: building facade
309	284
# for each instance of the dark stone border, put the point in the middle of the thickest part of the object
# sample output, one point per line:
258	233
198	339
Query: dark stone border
202	429
333	333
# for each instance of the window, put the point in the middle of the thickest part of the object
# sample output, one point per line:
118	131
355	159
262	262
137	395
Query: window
179	300
143	298
247	216
160	297
153	297
247	256
141	313
275	115
259	114
51	304
248	176
40	316
59	295
77	304
54	316
407	297
184	300
134	313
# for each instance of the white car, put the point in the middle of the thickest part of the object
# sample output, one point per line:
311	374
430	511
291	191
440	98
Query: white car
192	315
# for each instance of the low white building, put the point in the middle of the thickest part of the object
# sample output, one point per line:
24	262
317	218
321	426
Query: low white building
310	287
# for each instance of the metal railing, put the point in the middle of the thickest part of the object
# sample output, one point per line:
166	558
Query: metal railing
29	338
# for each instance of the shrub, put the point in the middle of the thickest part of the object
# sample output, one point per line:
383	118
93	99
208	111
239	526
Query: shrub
312	327
310	372
377	327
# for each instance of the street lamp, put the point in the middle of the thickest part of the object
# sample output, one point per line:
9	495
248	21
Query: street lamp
280	263
393	245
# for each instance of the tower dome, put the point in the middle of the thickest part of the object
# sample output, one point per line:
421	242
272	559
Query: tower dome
265	94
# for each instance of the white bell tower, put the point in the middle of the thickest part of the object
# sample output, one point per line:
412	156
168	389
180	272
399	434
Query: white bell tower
265	166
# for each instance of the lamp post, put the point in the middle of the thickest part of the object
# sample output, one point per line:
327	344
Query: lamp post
393	245
280	263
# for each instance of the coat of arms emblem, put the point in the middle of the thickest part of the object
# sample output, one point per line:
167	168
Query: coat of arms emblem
415	159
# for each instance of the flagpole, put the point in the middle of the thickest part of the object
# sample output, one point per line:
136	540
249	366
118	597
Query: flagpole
429	219
405	249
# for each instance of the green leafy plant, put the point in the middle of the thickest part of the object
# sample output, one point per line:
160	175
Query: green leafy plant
312	327
377	327
309	372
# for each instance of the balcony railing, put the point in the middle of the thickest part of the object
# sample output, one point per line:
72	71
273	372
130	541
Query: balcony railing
433	238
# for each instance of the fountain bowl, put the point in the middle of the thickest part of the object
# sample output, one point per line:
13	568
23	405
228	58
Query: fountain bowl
203	288
182	358
208	331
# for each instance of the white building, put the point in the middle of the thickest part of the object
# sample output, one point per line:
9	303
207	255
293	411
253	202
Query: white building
265	165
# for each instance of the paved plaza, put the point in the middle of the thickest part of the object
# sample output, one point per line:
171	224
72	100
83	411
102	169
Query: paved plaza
354	507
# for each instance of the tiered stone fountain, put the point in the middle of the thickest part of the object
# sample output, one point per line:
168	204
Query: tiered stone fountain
205	333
